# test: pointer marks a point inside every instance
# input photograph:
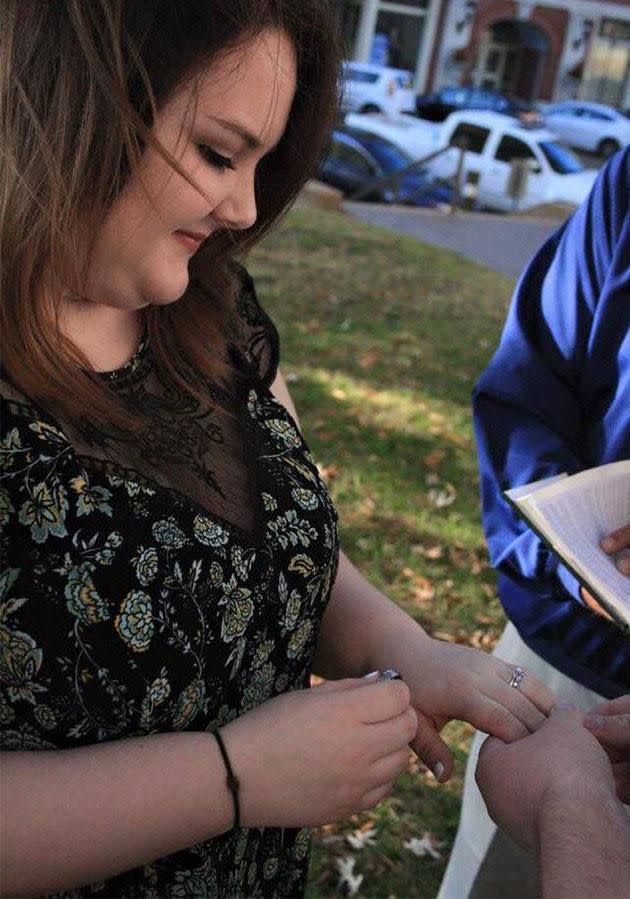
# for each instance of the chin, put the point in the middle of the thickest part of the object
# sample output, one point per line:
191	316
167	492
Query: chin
170	288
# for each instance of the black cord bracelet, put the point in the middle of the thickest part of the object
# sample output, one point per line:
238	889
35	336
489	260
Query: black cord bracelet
232	780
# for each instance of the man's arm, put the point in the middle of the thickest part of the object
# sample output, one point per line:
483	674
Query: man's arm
584	844
554	794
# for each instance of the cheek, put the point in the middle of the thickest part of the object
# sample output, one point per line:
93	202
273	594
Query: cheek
183	205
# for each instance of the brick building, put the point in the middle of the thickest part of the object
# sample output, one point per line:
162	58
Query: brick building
534	50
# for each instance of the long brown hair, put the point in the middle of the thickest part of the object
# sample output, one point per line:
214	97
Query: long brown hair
80	83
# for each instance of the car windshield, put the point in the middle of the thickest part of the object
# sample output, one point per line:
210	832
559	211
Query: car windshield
560	158
389	157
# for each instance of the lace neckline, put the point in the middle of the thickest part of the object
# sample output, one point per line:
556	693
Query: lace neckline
135	368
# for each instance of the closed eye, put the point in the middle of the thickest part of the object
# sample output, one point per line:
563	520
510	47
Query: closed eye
216	160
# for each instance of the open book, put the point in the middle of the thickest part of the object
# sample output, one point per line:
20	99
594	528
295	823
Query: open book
572	513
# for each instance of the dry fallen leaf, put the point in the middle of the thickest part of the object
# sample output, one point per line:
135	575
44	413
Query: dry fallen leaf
443	496
368	360
349	882
423	589
361	838
328	472
434	459
433	553
428	845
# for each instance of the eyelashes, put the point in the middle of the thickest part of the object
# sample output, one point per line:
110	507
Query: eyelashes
216	160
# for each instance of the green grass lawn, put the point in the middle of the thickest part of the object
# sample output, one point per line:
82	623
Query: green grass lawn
382	340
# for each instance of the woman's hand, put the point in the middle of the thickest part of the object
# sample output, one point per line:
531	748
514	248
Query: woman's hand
450	681
610	723
313	756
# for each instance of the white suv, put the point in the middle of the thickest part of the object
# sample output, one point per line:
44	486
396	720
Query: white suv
371	88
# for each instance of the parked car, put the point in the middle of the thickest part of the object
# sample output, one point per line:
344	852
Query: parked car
589	126
492	143
437	106
413	136
357	157
371	88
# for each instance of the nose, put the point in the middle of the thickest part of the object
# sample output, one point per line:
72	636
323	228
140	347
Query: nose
237	211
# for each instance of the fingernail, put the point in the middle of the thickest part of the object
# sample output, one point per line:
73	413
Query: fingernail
608	545
604	721
438	770
595	721
624	565
373	675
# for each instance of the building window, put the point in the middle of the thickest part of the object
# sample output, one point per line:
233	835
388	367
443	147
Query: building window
401	35
606	76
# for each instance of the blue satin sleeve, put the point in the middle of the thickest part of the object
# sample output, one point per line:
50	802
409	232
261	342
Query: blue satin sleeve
556	398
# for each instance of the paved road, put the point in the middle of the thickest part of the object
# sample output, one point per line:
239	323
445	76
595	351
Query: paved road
502	242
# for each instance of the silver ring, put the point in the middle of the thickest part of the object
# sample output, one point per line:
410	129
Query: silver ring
517	676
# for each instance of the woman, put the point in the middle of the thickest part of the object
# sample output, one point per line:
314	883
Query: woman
172	574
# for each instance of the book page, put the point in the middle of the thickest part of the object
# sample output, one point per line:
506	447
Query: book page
516	493
581	511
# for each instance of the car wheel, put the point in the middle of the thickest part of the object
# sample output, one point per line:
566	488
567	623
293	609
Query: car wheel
608	147
370	107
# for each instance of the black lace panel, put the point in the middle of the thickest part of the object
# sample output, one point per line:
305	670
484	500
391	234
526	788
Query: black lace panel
167	583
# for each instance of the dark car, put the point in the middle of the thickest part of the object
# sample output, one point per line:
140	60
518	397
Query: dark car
436	107
356	158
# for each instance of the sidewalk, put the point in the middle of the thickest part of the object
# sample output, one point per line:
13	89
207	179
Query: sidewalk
504	243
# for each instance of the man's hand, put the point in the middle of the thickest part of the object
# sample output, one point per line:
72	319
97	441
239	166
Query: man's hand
617	544
519	780
610	723
593	605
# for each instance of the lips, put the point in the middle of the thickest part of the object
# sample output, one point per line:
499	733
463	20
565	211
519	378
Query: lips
194	235
192	240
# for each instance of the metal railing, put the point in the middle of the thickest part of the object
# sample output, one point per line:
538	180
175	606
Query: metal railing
394	179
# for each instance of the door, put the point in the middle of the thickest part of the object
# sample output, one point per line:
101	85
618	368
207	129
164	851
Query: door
495	177
347	167
491	68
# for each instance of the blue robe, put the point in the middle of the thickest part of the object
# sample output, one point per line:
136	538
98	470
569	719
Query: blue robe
556	398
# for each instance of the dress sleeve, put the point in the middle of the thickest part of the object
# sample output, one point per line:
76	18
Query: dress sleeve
532	406
259	344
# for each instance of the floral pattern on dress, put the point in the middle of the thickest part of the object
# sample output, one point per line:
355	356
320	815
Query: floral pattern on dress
127	609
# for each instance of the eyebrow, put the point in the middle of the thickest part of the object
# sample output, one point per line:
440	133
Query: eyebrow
250	139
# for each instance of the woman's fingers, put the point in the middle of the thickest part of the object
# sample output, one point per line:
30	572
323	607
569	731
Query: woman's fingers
376	795
393	734
387	699
383	774
389	767
432	749
491	716
527	685
508	711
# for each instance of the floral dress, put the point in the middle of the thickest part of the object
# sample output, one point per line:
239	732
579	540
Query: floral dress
167	583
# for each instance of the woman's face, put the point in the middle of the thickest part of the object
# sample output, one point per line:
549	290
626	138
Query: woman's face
218	128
